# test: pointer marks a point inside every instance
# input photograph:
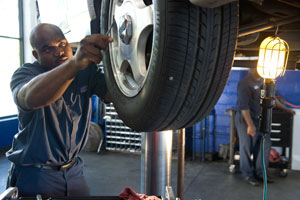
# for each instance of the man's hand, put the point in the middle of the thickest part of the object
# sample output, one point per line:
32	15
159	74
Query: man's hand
281	106
251	130
89	50
291	111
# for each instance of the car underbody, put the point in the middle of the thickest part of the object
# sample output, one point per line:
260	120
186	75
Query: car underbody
260	20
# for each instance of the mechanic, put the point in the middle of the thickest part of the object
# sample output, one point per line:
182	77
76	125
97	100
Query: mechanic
53	96
247	120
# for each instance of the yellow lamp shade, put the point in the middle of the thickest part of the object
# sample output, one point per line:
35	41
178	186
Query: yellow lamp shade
272	59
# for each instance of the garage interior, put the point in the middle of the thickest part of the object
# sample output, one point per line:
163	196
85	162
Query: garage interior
202	161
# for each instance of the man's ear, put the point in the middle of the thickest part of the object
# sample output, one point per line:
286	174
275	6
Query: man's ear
35	54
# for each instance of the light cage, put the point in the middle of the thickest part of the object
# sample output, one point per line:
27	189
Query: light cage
273	56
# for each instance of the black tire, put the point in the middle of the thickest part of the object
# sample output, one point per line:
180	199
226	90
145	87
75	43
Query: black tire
191	59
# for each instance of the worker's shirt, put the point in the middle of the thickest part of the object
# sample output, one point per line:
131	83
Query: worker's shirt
249	96
54	134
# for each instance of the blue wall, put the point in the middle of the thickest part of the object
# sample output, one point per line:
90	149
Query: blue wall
8	128
201	136
288	86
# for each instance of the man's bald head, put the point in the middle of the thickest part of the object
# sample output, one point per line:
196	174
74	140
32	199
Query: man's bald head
38	32
50	47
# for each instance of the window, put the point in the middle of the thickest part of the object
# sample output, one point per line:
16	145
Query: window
71	16
10	52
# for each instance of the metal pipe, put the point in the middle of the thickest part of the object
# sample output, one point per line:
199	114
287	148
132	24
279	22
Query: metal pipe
214	130
10	193
232	135
194	142
21	31
180	164
208	134
203	133
268	25
156	157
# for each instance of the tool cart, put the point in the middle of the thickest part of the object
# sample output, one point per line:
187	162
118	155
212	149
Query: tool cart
281	137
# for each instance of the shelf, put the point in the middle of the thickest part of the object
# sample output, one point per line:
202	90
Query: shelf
120	137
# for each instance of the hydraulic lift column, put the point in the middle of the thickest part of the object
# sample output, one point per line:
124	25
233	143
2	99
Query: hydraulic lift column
156	159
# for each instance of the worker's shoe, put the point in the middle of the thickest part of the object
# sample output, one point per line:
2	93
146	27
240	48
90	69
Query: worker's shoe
252	181
261	180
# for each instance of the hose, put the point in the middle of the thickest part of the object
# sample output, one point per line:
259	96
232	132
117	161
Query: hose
264	167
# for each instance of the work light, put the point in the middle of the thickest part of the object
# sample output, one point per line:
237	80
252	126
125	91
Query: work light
272	60
273	56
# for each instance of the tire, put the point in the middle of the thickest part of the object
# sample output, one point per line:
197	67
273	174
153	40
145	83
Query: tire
186	59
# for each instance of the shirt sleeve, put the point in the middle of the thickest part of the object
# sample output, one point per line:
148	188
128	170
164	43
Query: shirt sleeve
244	95
98	83
20	77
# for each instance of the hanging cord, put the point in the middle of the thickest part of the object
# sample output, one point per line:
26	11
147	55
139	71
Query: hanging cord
288	103
264	166
292	105
277	28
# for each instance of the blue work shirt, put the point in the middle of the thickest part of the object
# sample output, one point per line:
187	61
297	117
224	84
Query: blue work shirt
249	96
54	134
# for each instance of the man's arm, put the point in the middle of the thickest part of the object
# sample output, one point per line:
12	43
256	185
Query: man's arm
282	107
46	88
251	129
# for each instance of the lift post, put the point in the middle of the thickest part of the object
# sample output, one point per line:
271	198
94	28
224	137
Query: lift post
156	158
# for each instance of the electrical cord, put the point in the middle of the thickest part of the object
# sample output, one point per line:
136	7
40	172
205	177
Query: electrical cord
288	103
291	105
264	167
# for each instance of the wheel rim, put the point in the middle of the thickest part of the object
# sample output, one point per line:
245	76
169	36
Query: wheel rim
130	51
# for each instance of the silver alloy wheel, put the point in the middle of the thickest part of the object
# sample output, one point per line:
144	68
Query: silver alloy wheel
132	35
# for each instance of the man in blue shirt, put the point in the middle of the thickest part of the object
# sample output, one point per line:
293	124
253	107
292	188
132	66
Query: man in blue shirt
53	96
247	120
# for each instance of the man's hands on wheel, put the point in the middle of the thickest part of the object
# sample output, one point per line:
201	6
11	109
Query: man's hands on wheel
89	50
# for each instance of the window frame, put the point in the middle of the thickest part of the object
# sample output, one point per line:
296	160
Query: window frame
20	39
21	32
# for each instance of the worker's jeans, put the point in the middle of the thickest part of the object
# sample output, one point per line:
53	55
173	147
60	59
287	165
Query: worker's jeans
31	181
251	146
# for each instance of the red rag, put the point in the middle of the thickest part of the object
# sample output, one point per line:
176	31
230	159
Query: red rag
130	194
274	156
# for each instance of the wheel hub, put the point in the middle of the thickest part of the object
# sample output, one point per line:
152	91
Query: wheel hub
130	48
125	30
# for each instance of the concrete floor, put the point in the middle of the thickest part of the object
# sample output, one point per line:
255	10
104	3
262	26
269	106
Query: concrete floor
108	173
